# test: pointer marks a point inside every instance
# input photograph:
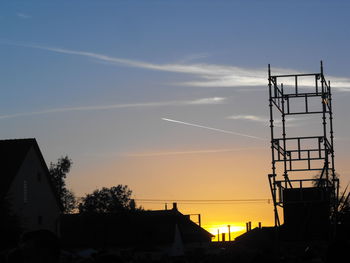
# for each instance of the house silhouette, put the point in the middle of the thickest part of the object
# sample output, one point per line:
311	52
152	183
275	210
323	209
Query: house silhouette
159	229
26	185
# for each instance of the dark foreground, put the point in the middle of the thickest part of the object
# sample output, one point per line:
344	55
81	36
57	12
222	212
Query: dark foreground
46	247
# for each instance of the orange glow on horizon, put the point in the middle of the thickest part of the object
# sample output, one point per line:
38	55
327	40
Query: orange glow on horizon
236	229
210	176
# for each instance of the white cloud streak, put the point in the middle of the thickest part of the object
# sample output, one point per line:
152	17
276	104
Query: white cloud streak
23	16
212	129
201	101
248	118
192	58
290	121
208	75
170	153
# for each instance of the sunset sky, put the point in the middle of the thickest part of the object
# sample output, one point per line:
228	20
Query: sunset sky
167	97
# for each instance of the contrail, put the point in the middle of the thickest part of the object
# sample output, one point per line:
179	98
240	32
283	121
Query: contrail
213	129
201	101
151	154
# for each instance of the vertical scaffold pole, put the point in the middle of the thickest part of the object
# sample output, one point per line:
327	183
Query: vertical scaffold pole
324	123
272	177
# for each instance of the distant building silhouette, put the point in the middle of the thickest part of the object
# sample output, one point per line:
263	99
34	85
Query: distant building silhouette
26	185
161	229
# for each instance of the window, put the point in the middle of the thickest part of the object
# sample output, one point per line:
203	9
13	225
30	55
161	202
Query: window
40	220
25	191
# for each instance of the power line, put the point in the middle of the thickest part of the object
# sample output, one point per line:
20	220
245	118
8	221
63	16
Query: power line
201	203
202	200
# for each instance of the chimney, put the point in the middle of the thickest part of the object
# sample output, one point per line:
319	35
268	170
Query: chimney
223	237
229	233
175	206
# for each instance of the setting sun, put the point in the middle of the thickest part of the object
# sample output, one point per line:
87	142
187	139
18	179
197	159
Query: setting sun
236	229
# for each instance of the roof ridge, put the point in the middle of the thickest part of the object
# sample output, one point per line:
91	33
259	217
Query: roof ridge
18	139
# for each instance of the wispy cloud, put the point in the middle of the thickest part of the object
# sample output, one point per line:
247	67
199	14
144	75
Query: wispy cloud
248	118
212	129
214	100
192	57
201	101
170	153
23	16
207	75
291	121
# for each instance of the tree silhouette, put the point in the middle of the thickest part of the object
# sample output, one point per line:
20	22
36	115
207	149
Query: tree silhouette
108	200
318	181
58	172
344	205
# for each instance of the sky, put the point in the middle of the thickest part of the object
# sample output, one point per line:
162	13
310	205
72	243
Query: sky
168	97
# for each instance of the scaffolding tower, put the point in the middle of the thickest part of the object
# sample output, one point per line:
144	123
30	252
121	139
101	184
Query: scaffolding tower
303	181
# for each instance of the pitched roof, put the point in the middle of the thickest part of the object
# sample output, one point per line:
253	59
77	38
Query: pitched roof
138	228
257	237
12	155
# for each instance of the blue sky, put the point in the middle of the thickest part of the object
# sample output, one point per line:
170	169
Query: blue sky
97	80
